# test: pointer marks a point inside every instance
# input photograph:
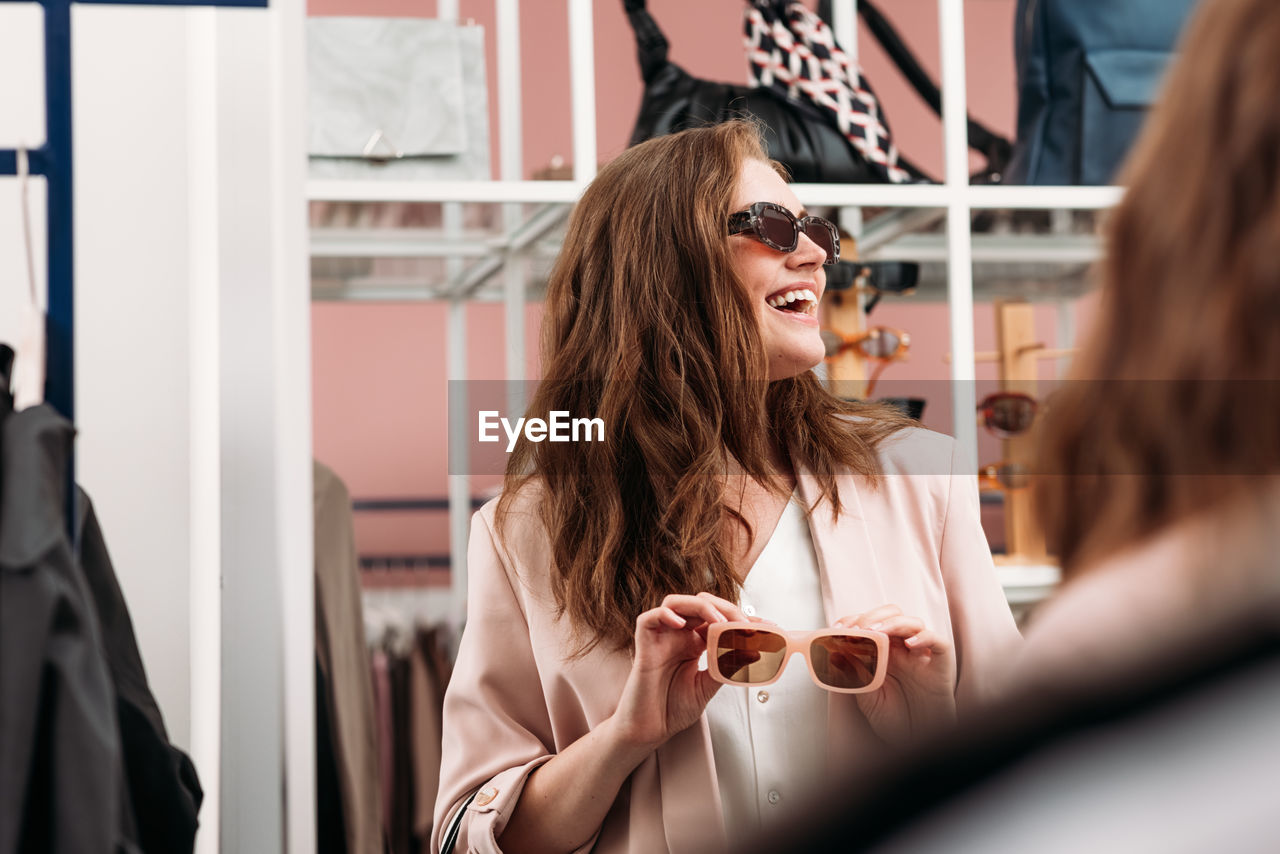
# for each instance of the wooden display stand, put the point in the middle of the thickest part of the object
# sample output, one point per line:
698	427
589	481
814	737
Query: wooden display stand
843	313
1027	572
1018	355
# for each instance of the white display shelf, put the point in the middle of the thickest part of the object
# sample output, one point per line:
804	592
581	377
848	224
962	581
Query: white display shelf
835	195
495	192
1027	584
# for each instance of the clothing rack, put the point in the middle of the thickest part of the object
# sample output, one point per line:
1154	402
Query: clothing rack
407	570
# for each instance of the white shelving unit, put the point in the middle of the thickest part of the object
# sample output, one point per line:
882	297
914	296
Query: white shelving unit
955	197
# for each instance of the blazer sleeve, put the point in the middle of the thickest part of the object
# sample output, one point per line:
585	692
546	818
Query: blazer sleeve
986	637
496	728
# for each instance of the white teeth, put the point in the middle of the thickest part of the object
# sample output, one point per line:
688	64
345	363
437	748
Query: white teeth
802	295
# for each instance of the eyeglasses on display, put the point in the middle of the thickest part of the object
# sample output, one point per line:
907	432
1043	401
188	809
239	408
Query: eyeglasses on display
1008	413
880	344
874	278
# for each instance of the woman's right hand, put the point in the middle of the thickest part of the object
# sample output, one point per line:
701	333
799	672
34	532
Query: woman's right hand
665	691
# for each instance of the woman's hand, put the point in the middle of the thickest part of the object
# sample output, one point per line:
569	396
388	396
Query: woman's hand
919	686
665	692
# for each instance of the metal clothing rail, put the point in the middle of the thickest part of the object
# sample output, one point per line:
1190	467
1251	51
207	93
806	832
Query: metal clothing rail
54	161
376	505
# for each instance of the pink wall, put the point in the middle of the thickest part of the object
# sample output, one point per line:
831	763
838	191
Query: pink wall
378	373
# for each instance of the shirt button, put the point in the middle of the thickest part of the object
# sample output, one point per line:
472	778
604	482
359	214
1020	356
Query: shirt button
748	610
774	797
486	796
762	696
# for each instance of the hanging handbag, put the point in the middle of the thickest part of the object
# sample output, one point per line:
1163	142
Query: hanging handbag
396	99
1087	72
797	133
809	133
994	148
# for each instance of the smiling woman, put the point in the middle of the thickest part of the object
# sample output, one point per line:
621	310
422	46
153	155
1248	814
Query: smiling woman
682	312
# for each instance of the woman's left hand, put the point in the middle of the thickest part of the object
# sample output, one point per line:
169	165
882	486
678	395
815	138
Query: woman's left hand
919	686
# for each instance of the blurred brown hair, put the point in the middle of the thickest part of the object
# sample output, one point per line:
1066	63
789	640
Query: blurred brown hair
1173	409
647	327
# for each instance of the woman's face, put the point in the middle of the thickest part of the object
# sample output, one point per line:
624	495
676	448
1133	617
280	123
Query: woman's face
790	335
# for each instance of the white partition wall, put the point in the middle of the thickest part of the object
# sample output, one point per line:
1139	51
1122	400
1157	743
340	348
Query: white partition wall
264	404
192	371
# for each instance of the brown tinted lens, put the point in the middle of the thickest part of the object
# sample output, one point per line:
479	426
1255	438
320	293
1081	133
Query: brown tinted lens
822	233
844	662
749	655
777	229
881	345
1011	414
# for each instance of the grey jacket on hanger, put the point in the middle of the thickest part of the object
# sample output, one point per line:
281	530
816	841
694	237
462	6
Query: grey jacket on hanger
87	765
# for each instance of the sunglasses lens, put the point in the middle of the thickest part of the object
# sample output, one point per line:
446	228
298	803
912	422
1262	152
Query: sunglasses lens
1010	414
881	346
844	662
824	234
777	229
748	656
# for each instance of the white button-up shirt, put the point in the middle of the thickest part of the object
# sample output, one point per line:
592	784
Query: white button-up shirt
769	742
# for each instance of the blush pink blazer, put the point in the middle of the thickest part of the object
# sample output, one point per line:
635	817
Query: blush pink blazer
515	700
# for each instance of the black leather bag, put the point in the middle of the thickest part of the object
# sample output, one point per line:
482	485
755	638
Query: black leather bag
1087	72
797	134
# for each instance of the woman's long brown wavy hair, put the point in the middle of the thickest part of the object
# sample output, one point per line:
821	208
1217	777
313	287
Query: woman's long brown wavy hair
1174	406
647	326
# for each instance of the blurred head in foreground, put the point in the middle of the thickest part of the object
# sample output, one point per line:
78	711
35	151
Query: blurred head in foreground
1140	714
1174	405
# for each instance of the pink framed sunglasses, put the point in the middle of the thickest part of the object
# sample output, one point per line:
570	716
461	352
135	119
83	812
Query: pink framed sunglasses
847	661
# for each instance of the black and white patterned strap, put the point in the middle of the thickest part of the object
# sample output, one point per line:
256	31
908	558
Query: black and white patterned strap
792	50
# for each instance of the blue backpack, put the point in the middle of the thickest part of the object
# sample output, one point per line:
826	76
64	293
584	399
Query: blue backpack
1087	71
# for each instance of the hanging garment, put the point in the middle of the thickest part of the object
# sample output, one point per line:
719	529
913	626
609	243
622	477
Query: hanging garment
402	770
331	831
62	778
88	764
385	729
163	790
342	658
429	672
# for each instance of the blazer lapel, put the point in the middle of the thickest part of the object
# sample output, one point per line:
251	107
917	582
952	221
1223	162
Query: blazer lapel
851	584
846	557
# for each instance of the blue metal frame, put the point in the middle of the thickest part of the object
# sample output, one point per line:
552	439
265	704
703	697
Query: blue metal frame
54	161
